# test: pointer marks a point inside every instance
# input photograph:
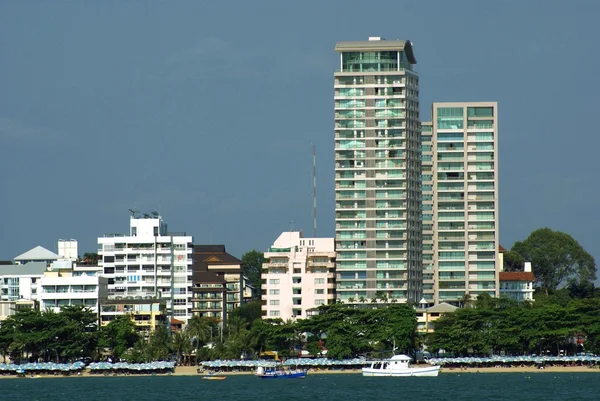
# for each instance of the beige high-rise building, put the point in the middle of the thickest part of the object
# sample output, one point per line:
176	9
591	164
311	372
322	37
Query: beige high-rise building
427	210
463	230
377	172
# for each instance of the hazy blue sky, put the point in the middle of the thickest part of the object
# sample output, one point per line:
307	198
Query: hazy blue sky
205	111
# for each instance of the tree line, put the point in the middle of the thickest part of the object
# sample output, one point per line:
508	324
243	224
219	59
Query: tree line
73	334
499	325
486	326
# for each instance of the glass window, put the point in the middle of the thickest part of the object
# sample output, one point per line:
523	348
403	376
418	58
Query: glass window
480	112
450	117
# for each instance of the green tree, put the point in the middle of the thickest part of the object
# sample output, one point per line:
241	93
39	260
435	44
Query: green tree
199	329
513	262
252	262
118	336
249	312
557	259
159	344
7	337
77	332
260	332
90	258
181	342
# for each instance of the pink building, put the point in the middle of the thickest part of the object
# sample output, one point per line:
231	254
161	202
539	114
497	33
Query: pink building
298	275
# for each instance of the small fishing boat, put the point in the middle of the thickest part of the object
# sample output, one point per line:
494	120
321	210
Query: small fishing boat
280	374
214	377
398	366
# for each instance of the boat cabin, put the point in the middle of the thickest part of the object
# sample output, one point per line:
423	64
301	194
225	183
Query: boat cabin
395	363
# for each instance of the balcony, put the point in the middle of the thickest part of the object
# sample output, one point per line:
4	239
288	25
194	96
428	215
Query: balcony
329	265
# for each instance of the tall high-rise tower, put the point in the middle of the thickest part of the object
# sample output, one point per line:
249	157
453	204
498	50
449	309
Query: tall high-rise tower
377	170
463	233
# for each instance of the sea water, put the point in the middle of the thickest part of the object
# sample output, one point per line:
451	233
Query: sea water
346	387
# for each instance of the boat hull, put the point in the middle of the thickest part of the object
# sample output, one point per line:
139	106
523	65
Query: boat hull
282	375
431	371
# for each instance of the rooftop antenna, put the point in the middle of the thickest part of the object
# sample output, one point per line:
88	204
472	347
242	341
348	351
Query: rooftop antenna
314	191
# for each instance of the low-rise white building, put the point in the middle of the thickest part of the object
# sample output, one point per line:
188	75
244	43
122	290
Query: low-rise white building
298	275
518	285
78	287
21	281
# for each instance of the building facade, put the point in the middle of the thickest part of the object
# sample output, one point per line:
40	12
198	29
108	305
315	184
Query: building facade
464	188
9	308
377	171
298	275
218	286
148	264
518	285
146	314
427	211
64	288
427	315
21	282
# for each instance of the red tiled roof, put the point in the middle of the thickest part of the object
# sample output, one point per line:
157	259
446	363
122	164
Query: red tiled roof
517	276
175	321
501	249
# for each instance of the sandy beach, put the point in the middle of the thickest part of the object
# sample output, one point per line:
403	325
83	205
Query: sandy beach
193	371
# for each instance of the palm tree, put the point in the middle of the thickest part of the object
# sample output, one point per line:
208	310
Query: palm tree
187	350
465	301
235	325
180	341
160	343
198	329
351	300
362	299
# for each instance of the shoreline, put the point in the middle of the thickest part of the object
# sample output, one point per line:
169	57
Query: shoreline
192	371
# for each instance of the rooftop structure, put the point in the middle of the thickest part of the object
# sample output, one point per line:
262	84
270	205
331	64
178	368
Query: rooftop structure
37	254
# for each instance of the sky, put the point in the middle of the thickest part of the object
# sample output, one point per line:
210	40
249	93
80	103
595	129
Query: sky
206	111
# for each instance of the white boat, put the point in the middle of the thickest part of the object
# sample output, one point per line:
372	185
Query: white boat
398	365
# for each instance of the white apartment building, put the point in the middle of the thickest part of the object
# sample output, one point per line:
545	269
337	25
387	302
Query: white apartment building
21	281
298	275
70	288
464	187
377	171
149	263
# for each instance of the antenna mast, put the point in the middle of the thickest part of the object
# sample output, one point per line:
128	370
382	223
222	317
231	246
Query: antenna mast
314	191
